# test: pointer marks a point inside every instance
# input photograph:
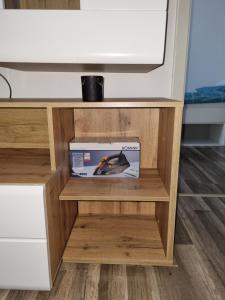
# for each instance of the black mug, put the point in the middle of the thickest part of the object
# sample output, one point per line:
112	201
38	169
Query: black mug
92	88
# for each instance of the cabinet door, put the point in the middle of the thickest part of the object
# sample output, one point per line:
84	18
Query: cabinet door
24	264
22	211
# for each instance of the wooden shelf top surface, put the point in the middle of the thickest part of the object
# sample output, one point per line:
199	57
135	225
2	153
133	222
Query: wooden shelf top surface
78	103
115	239
24	166
149	187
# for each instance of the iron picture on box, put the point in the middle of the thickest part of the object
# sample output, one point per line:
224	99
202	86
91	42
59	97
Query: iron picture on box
105	157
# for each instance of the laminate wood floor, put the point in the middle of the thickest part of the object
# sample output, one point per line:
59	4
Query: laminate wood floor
199	248
202	171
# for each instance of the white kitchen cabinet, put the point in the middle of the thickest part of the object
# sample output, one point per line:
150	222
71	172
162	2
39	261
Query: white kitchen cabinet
22	211
24	258
83	36
24	264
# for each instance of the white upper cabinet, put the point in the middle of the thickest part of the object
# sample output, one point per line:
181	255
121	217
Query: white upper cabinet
85	36
124	4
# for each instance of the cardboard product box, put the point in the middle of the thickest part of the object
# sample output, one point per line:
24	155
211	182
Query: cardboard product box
105	157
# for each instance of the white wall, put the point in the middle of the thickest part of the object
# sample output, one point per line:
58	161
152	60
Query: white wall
4	90
207	43
157	83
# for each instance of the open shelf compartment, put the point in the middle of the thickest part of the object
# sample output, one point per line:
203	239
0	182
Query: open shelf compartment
122	220
115	239
155	129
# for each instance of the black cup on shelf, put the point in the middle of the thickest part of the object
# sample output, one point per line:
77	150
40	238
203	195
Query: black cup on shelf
92	88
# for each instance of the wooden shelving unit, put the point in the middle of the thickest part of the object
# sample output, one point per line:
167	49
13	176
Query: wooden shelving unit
128	221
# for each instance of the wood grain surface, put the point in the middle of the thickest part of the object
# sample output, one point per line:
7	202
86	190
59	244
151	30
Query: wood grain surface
23	128
60	220
149	187
61	216
61	132
78	103
175	122
24	166
115	239
116	208
140	123
42	4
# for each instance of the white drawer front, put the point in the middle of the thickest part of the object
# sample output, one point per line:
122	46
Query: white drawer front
24	264
22	212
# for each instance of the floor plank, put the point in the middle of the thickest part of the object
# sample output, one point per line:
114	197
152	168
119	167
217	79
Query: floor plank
202	171
200	278
181	236
217	205
174	284
204	243
113	283
3	294
92	282
138	286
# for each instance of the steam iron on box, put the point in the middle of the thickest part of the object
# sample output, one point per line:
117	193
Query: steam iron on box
114	164
105	157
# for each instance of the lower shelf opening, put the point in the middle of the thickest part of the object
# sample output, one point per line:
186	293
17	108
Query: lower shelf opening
115	240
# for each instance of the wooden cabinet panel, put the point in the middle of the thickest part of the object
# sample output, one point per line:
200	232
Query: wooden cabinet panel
62	4
23	128
43	4
12	4
32	4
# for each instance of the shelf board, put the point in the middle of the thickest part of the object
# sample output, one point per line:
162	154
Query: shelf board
149	187
78	103
115	240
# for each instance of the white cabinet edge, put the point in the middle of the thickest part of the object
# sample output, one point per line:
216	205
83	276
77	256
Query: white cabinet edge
47	235
123	4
